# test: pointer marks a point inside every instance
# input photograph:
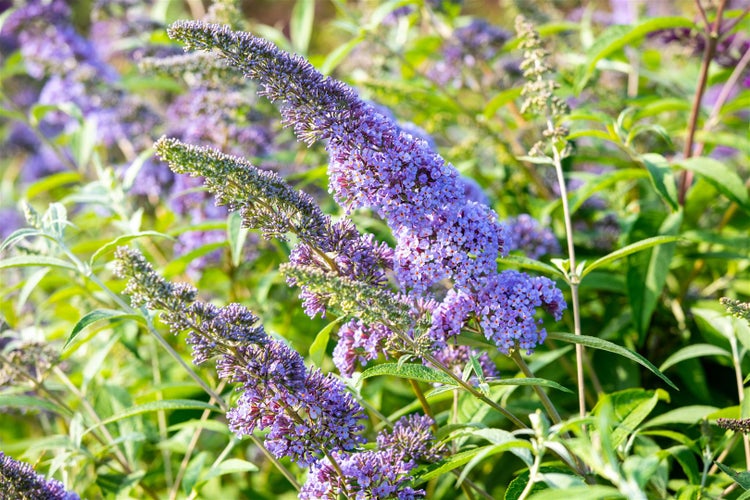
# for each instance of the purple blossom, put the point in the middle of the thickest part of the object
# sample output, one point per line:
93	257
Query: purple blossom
305	411
528	235
412	437
18	480
359	343
48	41
506	307
12	220
470	56
368	475
449	316
374	163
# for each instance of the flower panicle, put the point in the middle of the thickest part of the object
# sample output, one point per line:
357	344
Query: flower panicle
383	473
372	305
18	480
264	200
741	425
147	288
278	392
737	308
374	162
539	90
310	102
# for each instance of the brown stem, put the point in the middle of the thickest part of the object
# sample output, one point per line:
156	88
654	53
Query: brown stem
425	404
712	35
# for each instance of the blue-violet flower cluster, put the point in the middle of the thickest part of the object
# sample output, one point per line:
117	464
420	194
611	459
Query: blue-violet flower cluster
19	481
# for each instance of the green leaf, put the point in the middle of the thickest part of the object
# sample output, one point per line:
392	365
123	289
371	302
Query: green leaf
19	234
122	240
319	345
193	472
694	351
630	407
616	37
560	477
50	182
334	58
229	466
162	405
541	382
662	178
627	250
684	415
742	478
95	316
686	458
412	371
28	287
600	182
520	262
647	273
36	260
499	100
30	403
83	141
301	25
463	457
725	180
605	345
589	492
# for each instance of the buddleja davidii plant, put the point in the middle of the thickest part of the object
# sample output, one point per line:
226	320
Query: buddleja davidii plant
374	163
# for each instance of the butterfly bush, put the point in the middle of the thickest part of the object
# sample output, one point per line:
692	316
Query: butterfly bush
304	411
374	163
19	481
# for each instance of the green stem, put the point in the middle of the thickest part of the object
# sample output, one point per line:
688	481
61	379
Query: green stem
423	401
190	448
573	279
543	397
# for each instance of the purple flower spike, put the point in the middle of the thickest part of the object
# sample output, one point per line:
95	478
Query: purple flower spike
506	307
370	475
19	481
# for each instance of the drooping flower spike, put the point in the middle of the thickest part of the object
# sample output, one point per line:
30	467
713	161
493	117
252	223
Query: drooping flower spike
377	164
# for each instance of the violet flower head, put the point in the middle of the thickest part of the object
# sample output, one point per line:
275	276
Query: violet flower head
470	56
412	437
529	236
374	163
359	343
263	199
506	308
368	475
304	411
344	251
19	481
449	316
